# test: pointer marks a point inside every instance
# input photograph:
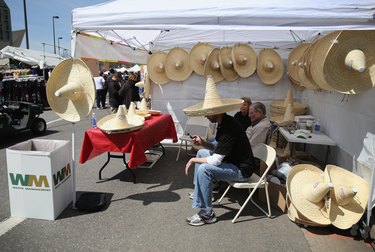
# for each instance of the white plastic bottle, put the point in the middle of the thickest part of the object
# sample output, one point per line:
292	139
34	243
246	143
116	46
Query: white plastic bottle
93	120
317	126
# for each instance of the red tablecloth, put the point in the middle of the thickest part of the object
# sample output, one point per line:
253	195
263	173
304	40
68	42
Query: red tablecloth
155	129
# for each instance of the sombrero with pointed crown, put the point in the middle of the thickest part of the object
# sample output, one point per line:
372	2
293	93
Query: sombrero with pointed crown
270	67
177	65
198	56
226	64
213	104
244	60
212	66
156	68
293	59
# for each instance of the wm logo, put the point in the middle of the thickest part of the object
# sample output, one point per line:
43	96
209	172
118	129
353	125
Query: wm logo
61	175
28	180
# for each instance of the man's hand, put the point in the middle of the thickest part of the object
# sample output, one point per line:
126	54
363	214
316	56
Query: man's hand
189	164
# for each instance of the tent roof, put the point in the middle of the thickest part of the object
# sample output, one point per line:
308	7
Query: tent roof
30	57
161	25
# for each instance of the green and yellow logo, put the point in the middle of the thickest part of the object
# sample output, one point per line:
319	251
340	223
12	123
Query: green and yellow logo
61	176
27	180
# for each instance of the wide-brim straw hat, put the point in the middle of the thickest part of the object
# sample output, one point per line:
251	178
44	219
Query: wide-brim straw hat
133	111
308	190
349	196
144	110
278	107
71	90
156	68
318	53
337	71
198	56
270	66
120	122
288	117
304	77
244	60
297	217
212	66
177	65
293	61
213	104
226	64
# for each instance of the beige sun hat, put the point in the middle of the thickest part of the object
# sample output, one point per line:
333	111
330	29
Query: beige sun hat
212	103
71	90
244	60
156	68
145	111
212	66
270	67
303	72
133	111
177	65
285	119
226	64
198	56
309	191
293	61
349	65
120	122
349	196
278	107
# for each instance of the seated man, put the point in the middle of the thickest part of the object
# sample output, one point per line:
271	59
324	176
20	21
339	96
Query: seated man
260	124
230	159
243	115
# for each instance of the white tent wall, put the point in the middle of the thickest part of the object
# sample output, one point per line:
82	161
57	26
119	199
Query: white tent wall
162	25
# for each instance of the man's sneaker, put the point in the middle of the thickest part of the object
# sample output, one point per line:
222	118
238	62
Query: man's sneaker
191	196
200	219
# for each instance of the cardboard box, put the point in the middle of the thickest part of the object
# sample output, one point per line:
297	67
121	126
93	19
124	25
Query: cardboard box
39	178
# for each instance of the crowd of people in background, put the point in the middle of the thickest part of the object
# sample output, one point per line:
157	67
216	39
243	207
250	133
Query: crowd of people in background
120	87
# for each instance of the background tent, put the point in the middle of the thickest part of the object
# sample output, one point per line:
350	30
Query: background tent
121	30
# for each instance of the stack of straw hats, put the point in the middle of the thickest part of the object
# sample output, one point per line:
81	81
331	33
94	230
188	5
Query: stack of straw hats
341	61
279	107
335	196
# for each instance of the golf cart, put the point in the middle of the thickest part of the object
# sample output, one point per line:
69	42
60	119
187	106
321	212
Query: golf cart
16	116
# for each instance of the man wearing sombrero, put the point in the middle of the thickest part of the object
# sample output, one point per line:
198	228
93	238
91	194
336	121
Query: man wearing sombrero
229	159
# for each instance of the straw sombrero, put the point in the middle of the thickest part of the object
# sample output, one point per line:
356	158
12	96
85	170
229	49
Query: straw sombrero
244	60
212	103
71	90
349	196
293	59
349	65
226	64
133	111
177	65
288	117
278	107
144	110
302	71
307	190
212	66
156	68
120	122
198	56
270	67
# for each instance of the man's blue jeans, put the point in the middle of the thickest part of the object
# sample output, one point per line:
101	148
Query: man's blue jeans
205	173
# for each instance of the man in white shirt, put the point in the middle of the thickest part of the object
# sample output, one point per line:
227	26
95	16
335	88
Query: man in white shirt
100	90
260	124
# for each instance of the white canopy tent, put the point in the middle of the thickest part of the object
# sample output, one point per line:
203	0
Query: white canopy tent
31	57
122	31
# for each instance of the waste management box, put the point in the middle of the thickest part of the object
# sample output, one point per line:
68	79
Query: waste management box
39	178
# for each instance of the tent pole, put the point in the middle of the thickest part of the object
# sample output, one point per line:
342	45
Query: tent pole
74	167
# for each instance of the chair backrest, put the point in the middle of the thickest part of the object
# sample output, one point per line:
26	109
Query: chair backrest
271	131
265	153
197	125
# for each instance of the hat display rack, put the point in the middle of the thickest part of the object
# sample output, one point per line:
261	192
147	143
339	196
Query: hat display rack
71	95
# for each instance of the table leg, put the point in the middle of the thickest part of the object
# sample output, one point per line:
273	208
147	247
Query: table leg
109	156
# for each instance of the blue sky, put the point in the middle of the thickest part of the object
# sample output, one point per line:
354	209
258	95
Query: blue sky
39	20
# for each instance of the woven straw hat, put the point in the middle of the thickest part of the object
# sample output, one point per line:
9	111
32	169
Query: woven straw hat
71	90
244	60
213	104
133	111
293	60
145	111
303	73
198	56
177	65
349	196
349	65
307	190
226	64
120	122
279	107
212	66
156	68
270	67
285	119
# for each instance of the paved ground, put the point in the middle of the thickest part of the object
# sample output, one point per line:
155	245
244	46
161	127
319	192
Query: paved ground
150	215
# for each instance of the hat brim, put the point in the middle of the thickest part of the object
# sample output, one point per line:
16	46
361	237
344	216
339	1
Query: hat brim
157	75
198	56
65	73
298	177
345	216
270	77
227	105
177	56
293	59
108	124
226	64
213	57
246	69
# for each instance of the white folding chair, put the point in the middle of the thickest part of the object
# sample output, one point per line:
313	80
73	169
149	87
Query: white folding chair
267	154
196	125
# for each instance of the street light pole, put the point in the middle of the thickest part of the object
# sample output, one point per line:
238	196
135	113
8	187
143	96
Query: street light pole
26	29
53	26
58	44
